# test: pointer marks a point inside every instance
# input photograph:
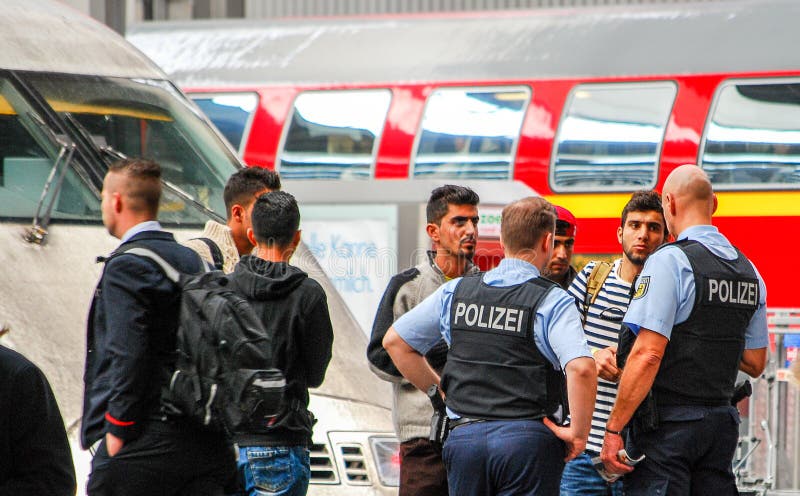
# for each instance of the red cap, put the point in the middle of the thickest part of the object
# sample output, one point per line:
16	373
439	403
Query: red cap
566	225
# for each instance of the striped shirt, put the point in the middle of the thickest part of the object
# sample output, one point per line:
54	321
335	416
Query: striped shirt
602	327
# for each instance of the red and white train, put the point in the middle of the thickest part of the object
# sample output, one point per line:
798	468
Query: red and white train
583	106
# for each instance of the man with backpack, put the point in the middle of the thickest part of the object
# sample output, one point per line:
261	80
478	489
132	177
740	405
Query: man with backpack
130	357
222	244
603	292
274	458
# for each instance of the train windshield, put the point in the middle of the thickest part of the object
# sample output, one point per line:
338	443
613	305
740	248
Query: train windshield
29	152
108	119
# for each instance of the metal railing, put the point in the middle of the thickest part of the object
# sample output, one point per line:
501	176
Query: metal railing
769	444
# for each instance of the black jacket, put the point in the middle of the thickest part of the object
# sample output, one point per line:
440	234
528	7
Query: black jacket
294	310
34	452
131	338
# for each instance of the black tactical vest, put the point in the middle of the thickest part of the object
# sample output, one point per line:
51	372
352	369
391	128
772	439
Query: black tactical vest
494	370
702	359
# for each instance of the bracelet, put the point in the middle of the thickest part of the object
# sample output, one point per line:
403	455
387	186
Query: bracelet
616	433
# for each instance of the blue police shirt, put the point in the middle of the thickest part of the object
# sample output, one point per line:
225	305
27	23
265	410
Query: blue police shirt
557	327
665	289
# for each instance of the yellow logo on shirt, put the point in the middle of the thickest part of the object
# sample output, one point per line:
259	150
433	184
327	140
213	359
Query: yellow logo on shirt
641	287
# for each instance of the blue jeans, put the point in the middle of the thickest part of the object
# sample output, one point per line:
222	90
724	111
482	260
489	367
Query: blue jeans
581	479
503	458
274	470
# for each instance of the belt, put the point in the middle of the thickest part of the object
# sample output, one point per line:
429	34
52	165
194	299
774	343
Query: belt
460	422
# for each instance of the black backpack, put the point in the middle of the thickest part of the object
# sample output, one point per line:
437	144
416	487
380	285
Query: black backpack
223	379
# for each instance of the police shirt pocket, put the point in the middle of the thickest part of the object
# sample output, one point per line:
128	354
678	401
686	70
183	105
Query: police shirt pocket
271	468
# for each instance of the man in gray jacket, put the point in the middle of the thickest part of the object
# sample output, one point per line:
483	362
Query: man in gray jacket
452	215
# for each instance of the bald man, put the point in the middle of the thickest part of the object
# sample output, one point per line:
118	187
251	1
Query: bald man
699	312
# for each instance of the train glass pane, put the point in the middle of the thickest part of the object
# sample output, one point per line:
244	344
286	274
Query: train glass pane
139	117
333	135
470	133
232	113
610	136
753	137
29	152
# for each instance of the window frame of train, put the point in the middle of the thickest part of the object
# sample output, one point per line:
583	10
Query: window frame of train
471	156
720	99
348	169
254	100
44	167
70	138
662	108
193	158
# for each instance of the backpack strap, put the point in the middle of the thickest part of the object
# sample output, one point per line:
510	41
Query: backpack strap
216	253
139	249
595	281
171	272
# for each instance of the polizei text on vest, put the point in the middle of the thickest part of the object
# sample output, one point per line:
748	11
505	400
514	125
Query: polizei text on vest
489	317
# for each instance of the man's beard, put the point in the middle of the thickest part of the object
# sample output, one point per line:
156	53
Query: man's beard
635	260
461	253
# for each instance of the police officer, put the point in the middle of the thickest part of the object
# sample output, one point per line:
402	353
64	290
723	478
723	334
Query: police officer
510	333
699	314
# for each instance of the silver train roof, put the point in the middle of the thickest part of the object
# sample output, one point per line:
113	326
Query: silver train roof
41	35
731	36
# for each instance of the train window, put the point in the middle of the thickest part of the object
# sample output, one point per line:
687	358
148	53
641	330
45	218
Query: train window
610	136
29	153
232	113
752	139
470	133
334	134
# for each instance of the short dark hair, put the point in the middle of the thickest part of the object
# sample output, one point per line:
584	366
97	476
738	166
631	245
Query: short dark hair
444	196
276	218
144	182
525	221
644	200
243	185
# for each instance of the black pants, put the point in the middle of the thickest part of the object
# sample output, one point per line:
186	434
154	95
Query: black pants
167	459
690	454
